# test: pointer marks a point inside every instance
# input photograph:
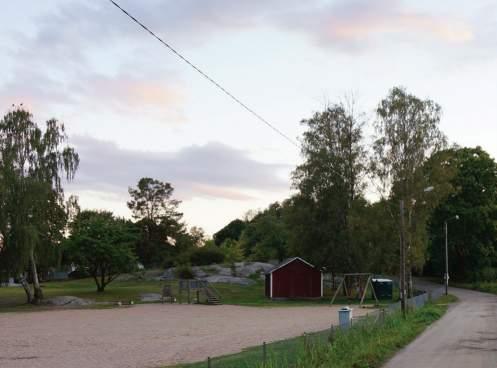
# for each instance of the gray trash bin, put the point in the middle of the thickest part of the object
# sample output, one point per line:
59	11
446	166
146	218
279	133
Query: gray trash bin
344	317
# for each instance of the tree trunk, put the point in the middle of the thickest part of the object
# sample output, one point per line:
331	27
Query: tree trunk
27	289
38	293
102	281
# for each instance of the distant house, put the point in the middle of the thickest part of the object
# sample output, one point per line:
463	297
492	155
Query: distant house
294	278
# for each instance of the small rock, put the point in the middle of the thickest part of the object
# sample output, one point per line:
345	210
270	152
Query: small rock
150	297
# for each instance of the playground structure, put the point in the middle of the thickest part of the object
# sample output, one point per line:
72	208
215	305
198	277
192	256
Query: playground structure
194	290
355	286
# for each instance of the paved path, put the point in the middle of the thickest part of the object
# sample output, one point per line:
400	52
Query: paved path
466	337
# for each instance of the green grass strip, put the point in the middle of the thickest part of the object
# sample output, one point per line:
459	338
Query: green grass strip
366	345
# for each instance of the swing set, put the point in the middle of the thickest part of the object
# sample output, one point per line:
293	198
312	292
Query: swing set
355	286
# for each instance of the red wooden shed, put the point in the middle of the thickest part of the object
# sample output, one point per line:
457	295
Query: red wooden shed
294	278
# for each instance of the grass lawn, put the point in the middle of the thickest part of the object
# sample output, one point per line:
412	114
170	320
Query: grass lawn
367	345
13	299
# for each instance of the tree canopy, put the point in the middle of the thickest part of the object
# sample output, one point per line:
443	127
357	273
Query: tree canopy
162	235
328	182
32	165
472	238
231	231
102	245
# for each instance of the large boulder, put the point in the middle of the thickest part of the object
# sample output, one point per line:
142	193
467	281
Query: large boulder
67	300
222	273
229	280
169	274
245	269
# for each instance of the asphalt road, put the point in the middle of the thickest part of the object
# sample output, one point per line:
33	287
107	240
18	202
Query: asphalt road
465	337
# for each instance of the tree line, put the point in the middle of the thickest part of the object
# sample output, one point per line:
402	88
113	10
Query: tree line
418	183
329	221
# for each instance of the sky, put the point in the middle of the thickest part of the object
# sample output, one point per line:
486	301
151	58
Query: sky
133	109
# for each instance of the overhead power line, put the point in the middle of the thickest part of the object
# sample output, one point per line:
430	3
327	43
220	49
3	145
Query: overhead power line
203	74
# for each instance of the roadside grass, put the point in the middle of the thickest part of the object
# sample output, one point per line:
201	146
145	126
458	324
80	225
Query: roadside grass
13	299
367	345
447	299
484	286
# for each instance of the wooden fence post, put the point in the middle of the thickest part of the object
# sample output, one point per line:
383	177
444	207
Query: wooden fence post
208	362
332	334
264	354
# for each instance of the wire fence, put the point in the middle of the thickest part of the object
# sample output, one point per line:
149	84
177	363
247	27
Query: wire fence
285	352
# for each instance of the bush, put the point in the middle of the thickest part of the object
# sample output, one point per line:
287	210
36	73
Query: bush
232	251
487	274
206	255
184	272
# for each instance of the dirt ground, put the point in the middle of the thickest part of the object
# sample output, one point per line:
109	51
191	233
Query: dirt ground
148	335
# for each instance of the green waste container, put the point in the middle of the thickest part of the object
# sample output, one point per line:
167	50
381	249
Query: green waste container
383	288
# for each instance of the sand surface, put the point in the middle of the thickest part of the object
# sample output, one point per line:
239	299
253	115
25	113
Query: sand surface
148	335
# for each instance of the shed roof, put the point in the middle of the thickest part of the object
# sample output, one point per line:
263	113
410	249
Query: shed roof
288	261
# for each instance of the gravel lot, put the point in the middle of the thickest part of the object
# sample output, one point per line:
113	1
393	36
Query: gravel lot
148	335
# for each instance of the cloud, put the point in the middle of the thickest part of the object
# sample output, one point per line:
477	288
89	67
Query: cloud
89	55
358	23
93	26
213	170
133	97
125	95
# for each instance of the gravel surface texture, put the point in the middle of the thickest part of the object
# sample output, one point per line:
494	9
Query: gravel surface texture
148	335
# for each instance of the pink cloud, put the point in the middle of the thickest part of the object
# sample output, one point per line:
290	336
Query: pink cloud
357	23
128	95
444	30
213	191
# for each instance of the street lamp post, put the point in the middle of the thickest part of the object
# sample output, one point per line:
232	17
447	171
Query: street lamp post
446	275
402	273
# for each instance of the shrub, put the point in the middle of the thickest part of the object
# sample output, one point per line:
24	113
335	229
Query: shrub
232	251
206	255
487	274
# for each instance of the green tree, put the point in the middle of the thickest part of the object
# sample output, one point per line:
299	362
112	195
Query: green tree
408	134
473	238
231	231
102	245
152	200
33	218
265	236
375	236
328	183
162	235
197	235
232	251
